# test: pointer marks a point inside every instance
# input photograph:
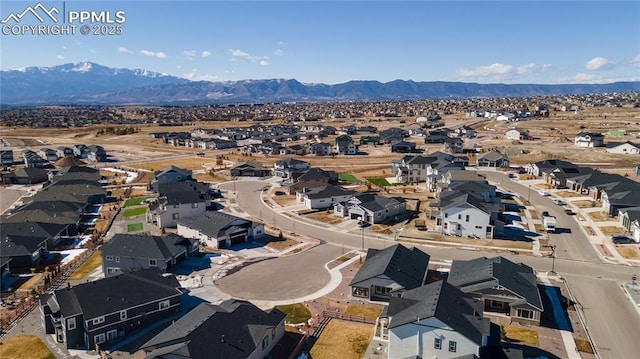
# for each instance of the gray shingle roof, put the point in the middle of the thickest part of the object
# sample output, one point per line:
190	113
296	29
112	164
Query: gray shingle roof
328	191
231	330
407	267
215	224
444	302
483	272
144	246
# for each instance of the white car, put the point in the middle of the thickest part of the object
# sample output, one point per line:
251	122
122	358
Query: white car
543	192
559	202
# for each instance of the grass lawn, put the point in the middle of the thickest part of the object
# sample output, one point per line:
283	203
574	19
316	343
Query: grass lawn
363	310
343	340
296	313
134	212
379	181
87	267
136	201
520	335
348	178
25	346
611	230
134	227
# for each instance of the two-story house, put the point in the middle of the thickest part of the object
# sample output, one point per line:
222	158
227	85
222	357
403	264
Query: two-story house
517	134
109	309
167	209
323	197
493	159
320	149
6	157
284	168
589	139
345	146
466	214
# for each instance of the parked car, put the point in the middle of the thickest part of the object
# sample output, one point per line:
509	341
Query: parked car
559	202
363	224
622	240
543	192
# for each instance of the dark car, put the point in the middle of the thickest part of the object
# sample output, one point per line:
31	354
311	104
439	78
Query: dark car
545	214
622	240
569	211
363	224
279	193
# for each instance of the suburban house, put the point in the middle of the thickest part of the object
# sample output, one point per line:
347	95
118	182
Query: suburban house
466	214
284	168
170	207
170	174
434	321
393	134
505	287
403	147
629	218
437	136
484	190
21	252
622	195
626	148
311	178
589	139
320	149
49	154
6	157
389	271
37	232
465	131
220	230
345	146
371	208
517	134
97	154
64	151
429	168
545	167
109	309
250	169
129	252
492	159
233	329
32	159
81	151
323	197
453	145
28	175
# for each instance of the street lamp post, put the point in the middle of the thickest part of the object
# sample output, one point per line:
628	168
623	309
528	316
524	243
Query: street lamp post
529	194
553	259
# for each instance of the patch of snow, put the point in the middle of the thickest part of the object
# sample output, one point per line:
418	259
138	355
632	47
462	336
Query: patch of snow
82	67
69	254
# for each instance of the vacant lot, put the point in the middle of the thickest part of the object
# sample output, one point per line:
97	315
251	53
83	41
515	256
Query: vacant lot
25	346
344	340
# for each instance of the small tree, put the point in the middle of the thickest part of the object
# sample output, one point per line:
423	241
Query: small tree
280	236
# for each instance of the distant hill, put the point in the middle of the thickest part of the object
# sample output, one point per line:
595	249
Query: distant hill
89	83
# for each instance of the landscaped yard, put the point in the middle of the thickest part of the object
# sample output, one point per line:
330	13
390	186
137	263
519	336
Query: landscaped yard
379	181
136	201
134	227
599	216
364	310
134	212
348	178
87	267
584	204
282	245
25	346
611	230
628	252
296	313
344	340
567	194
324	217
519	335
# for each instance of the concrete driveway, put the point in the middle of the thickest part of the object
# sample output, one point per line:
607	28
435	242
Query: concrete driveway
282	278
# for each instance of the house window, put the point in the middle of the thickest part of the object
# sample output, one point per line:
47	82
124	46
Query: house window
381	290
194	205
453	346
117	259
446	225
164	304
176	216
98	320
467	218
265	343
459	227
360	292
109	258
437	343
112	334
459	216
496	304
71	323
153	263
99	338
123	314
478	227
525	313
446	215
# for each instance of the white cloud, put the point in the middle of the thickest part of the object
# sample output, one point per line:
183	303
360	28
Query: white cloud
124	50
160	54
279	52
189	55
486	71
636	61
585	77
599	63
205	53
60	57
263	63
533	69
239	53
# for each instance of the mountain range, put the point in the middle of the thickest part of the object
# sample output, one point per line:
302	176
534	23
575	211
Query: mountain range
90	83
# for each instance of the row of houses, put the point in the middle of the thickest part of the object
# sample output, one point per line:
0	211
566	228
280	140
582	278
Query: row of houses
428	317
63	208
46	155
620	196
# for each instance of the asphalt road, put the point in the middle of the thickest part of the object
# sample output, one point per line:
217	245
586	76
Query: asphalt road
607	311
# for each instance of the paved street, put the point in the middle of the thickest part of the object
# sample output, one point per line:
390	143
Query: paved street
577	261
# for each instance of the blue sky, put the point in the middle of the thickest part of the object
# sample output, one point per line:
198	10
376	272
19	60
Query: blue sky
334	42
